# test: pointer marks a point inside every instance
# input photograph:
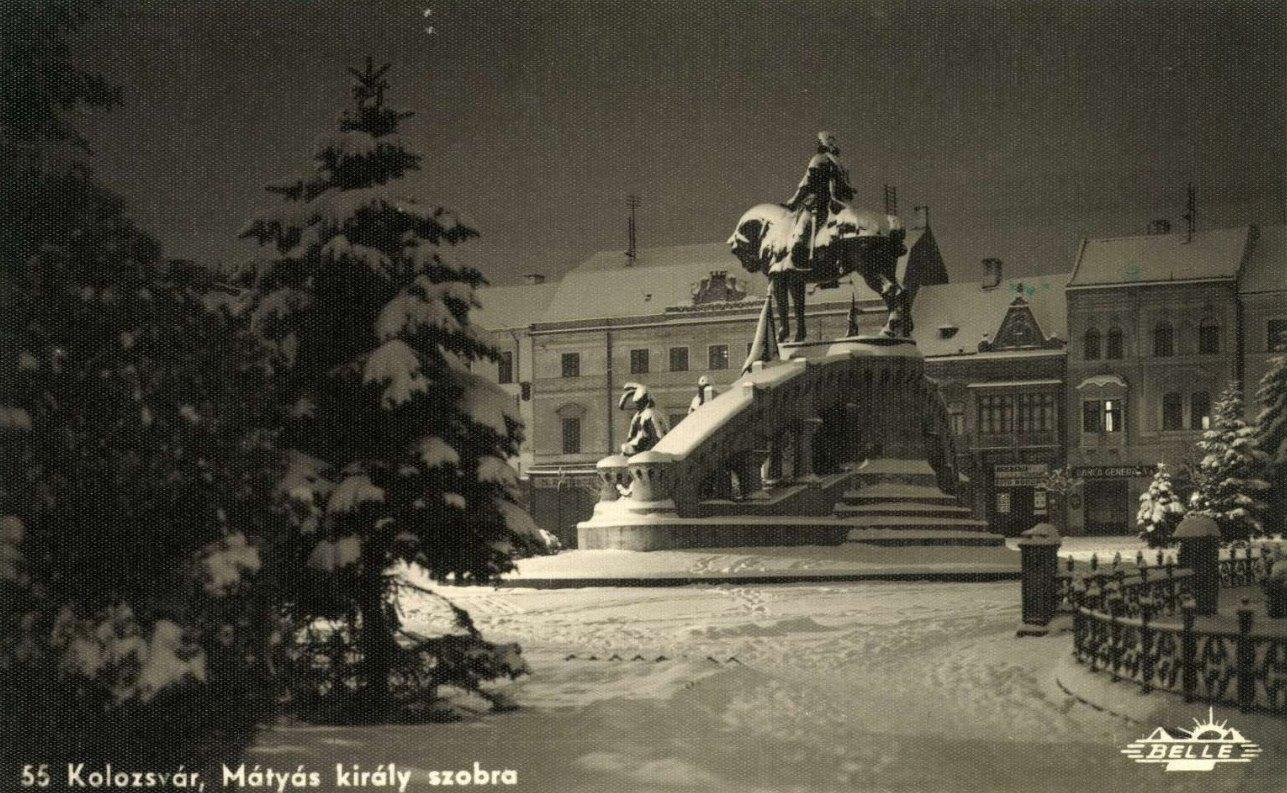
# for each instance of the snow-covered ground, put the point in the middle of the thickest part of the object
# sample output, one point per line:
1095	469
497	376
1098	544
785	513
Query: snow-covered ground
824	687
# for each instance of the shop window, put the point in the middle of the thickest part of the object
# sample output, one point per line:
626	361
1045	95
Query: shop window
1113	347
1172	411
1163	340
717	355
571	364
1200	411
638	362
1208	338
571	435
1090	345
505	368
679	359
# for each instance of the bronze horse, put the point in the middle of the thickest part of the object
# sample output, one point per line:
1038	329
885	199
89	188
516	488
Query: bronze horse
851	240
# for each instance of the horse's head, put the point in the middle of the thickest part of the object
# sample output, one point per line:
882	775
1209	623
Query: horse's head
760	224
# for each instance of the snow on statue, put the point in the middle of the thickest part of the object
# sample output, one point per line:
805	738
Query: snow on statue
817	238
398	451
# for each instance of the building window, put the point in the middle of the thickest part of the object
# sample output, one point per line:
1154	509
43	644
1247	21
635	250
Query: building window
1036	413
1172	411
571	364
1090	345
571	435
1101	415
1163	340
996	414
1200	411
1114	347
956	418
679	359
638	362
1208	338
1276	335
505	368
718	354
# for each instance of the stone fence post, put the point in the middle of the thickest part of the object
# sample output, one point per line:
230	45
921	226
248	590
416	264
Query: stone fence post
1039	557
1199	537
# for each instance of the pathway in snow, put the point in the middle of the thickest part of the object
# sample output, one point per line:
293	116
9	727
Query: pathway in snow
872	686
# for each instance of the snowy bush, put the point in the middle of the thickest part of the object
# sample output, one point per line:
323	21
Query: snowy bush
1160	509
1230	481
131	494
1271	437
397	451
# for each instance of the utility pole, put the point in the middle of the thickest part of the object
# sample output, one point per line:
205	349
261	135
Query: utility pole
632	251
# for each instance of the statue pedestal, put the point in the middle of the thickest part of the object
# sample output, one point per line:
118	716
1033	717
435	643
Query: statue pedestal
853	345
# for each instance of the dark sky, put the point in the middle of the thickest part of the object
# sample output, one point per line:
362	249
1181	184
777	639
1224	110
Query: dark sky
1024	125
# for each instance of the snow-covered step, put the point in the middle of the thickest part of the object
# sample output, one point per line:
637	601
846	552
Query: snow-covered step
908	509
926	537
904	523
897	493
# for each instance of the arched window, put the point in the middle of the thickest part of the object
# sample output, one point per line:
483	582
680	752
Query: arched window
1113	344
1090	345
1209	337
1163	340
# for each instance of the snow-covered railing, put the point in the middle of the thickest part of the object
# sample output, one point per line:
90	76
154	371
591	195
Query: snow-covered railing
1245	667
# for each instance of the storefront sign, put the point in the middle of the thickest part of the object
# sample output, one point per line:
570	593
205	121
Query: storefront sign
1003	503
1019	475
1113	471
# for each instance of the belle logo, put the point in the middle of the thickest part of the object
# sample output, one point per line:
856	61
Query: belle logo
1198	749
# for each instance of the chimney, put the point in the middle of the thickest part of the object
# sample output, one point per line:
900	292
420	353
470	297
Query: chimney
534	278
991	273
1159	226
920	217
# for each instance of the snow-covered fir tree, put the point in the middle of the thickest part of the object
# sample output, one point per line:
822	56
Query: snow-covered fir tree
1271	436
1230	478
130	497
1160	509
398	451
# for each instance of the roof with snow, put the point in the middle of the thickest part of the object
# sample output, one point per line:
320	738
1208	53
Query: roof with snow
951	319
1266	267
515	306
1158	258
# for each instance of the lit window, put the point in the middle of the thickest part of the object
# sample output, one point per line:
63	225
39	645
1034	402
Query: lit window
638	362
1112	415
718	354
1172	411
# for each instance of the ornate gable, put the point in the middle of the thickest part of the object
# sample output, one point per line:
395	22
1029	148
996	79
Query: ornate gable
719	287
1020	331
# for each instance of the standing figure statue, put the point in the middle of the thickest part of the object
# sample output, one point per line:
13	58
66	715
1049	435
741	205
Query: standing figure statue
817	237
705	393
647	425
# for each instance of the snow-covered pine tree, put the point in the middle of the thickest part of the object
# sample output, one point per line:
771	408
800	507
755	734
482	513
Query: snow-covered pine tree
1230	480
1160	509
1271	436
130	491
399	452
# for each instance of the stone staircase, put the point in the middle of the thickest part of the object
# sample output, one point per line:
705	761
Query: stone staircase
897	502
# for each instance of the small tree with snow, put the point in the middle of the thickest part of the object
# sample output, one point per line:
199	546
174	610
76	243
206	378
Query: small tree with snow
398	451
1160	509
1230	480
1271	436
130	489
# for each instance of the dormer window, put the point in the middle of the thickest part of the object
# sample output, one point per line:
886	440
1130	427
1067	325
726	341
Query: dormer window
947	331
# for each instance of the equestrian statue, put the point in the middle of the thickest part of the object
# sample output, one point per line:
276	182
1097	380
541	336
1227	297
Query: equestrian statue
817	237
